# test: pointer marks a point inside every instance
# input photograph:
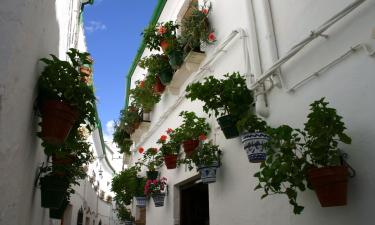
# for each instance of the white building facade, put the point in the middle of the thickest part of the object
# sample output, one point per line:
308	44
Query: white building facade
299	52
31	30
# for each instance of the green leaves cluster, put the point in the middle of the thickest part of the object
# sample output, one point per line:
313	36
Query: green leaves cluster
191	128
152	35
251	123
223	96
156	64
207	154
152	159
292	152
144	96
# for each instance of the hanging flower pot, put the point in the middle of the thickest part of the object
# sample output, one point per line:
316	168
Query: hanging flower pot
141	202
158	86
254	146
228	126
175	59
53	191
170	161
330	184
158	199
58	119
58	213
208	172
166	76
190	146
152	175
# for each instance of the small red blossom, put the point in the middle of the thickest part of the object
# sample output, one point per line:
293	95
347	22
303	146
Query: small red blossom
163	138
142	84
205	11
169	130
141	150
212	37
162	30
202	137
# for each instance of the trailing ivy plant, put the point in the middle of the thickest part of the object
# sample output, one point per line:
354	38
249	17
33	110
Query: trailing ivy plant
292	152
222	96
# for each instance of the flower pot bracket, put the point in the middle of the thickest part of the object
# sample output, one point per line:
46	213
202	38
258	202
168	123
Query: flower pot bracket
343	156
191	64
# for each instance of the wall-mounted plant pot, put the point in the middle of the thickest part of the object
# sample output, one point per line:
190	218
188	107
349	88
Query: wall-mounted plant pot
58	119
152	175
176	59
141	202
166	76
58	213
53	191
128	222
190	146
330	184
228	126
158	199
254	145
208	172
158	86
170	161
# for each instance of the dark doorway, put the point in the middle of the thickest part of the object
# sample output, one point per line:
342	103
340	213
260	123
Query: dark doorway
194	205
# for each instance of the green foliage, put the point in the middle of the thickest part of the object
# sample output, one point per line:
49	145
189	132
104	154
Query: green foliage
61	80
121	137
171	146
123	213
324	130
152	159
196	27
191	128
144	96
223	96
292	152
207	154
129	119
125	185
156	64
153	35
251	123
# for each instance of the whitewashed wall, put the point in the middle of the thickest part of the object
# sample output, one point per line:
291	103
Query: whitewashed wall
347	86
29	31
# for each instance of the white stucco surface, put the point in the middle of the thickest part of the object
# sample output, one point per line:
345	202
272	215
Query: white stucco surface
347	86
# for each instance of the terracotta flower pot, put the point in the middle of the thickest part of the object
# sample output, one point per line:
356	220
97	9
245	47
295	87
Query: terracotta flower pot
190	146
330	184
158	86
164	44
170	161
58	119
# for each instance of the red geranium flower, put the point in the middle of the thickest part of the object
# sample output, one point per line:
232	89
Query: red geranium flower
212	37
170	130
141	150
202	137
142	84
163	138
205	11
162	30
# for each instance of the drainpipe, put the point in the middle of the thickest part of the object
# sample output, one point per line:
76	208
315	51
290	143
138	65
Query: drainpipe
260	99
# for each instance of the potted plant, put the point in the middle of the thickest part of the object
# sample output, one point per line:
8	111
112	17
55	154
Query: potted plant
122	138
152	159
253	136
156	189
163	35
64	101
169	149
192	130
125	184
129	121
139	192
143	95
158	68
124	214
207	160
296	157
53	190
229	97
196	28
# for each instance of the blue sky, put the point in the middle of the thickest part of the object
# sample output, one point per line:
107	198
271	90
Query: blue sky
113	29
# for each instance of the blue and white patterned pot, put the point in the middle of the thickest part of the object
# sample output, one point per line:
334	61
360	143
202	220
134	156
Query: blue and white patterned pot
158	199
141	202
208	172
254	146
